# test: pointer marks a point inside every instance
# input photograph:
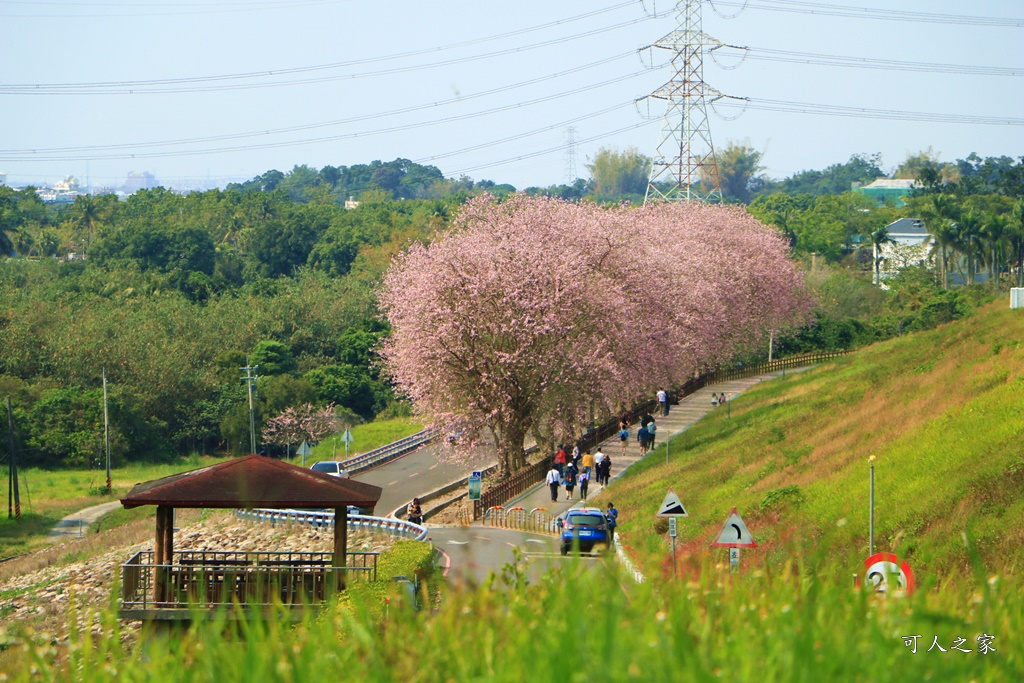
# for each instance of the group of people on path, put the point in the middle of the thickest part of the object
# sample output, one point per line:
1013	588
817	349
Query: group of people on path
577	469
644	435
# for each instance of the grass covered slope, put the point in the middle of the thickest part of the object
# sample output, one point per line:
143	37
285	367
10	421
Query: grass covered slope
941	410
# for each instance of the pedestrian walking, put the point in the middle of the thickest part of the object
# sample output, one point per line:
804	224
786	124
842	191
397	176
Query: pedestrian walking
570	482
552	480
588	462
606	470
714	400
623	437
599	458
560	459
663	401
652	430
611	517
414	513
641	437
584	483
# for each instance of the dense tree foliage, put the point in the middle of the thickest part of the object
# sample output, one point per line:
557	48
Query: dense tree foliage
534	313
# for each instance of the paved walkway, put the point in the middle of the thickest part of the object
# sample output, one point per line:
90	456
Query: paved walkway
680	418
77	524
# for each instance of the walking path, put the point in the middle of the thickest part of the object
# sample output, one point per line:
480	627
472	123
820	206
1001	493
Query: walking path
75	525
680	418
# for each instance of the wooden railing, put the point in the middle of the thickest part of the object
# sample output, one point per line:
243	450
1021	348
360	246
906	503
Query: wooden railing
209	579
532	475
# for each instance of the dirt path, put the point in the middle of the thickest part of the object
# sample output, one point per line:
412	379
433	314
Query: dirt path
76	524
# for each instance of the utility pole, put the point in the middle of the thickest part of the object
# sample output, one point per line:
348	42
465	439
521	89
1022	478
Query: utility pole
106	427
685	156
12	481
250	380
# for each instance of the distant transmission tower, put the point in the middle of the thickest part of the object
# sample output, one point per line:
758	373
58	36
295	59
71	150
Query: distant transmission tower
686	155
570	155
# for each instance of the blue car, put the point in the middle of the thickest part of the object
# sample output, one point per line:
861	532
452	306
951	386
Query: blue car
583	528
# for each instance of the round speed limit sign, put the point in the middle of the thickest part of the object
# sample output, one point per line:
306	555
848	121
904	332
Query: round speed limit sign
883	569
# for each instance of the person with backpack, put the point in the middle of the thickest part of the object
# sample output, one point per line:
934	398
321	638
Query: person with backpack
641	437
652	429
584	483
570	481
623	436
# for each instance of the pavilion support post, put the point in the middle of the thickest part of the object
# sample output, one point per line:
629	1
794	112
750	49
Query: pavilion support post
340	545
162	551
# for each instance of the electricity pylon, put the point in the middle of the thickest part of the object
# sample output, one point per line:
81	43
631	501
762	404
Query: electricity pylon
685	157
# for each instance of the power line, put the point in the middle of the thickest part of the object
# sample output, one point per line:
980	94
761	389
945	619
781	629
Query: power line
321	124
154	86
866	113
797	6
871	63
33	155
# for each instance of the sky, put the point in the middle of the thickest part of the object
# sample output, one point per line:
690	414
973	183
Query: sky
208	92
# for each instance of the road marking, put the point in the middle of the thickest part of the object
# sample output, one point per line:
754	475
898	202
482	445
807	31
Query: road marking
459	542
393	483
536	540
434	465
414	474
482	538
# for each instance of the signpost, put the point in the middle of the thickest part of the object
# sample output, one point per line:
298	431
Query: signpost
734	535
304	450
672	508
347	438
475	480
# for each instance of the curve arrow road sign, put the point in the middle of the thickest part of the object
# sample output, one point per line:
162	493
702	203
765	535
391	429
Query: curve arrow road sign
734	533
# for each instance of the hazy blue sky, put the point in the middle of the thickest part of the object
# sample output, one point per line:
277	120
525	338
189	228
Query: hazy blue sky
486	89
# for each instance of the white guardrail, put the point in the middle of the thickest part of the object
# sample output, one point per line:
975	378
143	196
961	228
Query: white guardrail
388	452
325	518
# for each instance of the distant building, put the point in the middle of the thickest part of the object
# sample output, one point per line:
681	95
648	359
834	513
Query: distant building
894	190
139	180
61	192
910	244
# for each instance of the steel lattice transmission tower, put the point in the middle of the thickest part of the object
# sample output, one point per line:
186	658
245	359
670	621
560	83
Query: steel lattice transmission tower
685	155
570	155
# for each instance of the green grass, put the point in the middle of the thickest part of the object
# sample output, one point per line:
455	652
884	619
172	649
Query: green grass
587	624
941	412
365	437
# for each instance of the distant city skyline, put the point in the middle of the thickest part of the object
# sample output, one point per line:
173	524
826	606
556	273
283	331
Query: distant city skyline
223	92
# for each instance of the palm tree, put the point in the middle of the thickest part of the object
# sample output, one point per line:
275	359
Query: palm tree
969	241
878	238
1015	233
940	217
994	230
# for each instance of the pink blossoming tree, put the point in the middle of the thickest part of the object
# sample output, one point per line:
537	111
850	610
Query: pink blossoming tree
305	423
532	315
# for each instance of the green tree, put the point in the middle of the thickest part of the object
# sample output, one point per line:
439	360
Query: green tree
739	168
619	174
273	358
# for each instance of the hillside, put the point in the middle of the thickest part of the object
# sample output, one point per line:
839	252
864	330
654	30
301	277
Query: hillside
941	410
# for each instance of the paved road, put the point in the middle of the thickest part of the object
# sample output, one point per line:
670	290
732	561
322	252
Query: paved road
418	473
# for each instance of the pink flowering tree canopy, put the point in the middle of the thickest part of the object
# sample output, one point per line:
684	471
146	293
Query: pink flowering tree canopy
535	313
305	423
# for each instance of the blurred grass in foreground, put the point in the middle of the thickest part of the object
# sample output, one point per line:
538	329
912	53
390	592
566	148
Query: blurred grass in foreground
589	623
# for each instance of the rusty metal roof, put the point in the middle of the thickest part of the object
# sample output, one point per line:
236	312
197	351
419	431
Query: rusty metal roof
253	481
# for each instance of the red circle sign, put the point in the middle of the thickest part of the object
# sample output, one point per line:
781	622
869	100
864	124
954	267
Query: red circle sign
881	566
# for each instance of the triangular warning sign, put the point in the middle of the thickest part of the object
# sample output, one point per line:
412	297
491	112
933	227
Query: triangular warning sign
672	506
735	533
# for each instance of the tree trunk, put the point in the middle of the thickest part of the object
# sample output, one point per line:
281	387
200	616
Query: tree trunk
509	440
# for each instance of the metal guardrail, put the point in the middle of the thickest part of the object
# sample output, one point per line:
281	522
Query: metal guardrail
389	452
539	520
325	519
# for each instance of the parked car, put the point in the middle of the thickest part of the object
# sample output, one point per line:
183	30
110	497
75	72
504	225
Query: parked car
332	467
584	528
